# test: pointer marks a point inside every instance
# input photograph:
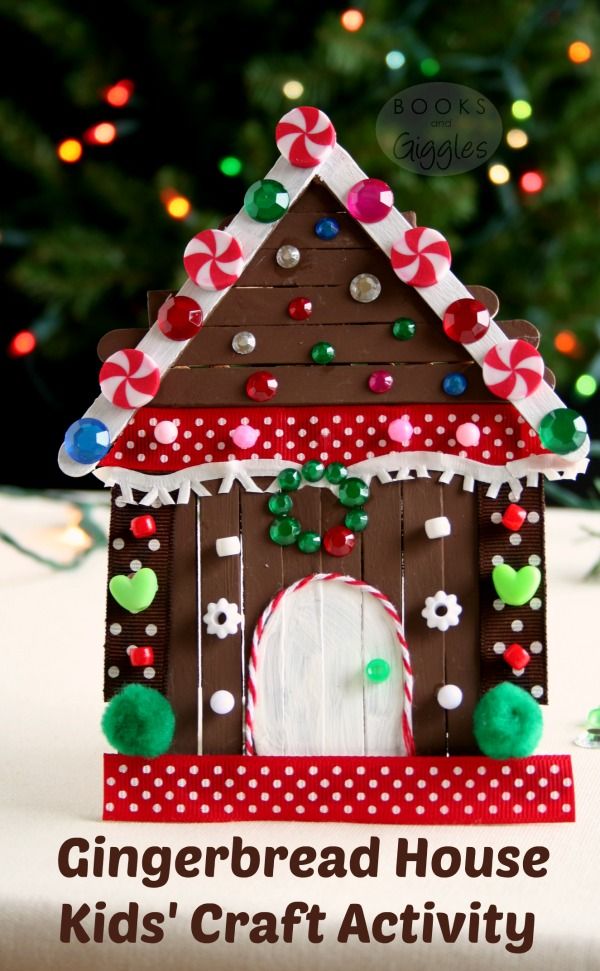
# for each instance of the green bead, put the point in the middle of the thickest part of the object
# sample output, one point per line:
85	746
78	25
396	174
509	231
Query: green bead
280	504
377	670
266	200
309	542
562	430
313	470
404	328
285	532
353	492
356	520
323	353
289	480
336	473
593	721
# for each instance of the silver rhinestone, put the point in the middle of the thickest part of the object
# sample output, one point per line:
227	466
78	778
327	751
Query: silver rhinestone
244	342
365	288
113	671
288	256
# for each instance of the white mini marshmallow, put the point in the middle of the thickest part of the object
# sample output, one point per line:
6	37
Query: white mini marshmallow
438	527
229	546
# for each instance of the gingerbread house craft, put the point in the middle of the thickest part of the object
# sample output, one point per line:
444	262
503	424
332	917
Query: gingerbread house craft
326	553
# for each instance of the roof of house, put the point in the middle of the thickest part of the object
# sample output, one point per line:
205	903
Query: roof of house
339	172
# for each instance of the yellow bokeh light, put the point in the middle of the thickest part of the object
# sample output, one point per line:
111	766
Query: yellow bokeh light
352	19
517	138
178	207
579	52
498	174
521	109
70	150
293	89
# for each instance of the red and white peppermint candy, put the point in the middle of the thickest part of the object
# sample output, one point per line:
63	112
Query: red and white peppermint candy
421	257
129	378
513	370
305	136
213	259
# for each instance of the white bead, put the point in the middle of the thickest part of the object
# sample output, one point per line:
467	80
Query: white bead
228	546
449	697
166	432
438	527
222	702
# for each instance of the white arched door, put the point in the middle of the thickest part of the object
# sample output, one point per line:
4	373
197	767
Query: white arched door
308	693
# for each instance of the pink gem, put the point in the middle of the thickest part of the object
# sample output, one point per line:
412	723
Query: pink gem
244	436
380	382
468	435
370	200
400	430
166	432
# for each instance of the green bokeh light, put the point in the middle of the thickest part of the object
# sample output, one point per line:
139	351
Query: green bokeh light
230	165
586	385
521	109
430	67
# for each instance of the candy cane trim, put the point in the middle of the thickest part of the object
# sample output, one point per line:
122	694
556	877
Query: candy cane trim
407	730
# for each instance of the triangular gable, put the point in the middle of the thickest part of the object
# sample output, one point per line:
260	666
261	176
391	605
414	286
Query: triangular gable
339	172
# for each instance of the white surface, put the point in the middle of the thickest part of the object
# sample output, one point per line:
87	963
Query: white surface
50	790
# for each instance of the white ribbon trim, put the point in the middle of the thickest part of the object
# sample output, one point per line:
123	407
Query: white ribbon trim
393	467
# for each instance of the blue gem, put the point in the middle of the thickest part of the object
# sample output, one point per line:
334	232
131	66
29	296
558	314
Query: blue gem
327	228
455	384
87	441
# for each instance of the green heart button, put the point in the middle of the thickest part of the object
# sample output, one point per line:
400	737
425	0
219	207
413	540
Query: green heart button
134	593
516	587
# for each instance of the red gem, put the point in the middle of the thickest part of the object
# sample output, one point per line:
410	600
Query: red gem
143	526
180	318
300	308
380	382
339	541
261	386
516	657
466	320
514	517
141	656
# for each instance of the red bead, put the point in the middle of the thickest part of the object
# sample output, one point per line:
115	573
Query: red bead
514	517
261	386
180	318
339	541
140	657
466	320
300	308
143	526
516	657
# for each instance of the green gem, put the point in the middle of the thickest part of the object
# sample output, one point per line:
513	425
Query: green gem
353	492
336	473
323	353
593	721
377	670
280	504
404	328
562	431
284	532
313	470
356	520
289	480
266	200
309	542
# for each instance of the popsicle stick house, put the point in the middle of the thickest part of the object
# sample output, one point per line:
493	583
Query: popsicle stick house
437	412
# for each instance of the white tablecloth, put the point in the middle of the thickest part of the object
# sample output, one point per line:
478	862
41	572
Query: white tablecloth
52	629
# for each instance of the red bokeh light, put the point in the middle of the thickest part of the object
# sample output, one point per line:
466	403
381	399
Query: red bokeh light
118	94
532	182
22	344
102	134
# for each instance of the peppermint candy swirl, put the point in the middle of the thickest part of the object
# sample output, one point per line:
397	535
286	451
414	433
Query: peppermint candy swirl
305	136
421	257
213	259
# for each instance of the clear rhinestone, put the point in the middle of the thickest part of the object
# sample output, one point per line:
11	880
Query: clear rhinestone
288	256
244	342
365	287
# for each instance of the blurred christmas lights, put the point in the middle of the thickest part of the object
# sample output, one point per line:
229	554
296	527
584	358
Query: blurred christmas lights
22	344
352	19
586	385
579	52
531	182
70	150
102	134
118	94
498	174
293	90
521	109
395	60
517	138
230	165
429	67
178	207
566	342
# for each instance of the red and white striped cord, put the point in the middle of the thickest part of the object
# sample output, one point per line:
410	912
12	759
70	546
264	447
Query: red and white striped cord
407	731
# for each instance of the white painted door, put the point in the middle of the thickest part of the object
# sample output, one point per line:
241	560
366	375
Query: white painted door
312	694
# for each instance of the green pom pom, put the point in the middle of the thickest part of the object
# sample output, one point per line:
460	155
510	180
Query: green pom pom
507	722
139	721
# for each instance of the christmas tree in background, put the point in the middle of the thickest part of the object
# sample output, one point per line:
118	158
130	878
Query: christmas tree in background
132	126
